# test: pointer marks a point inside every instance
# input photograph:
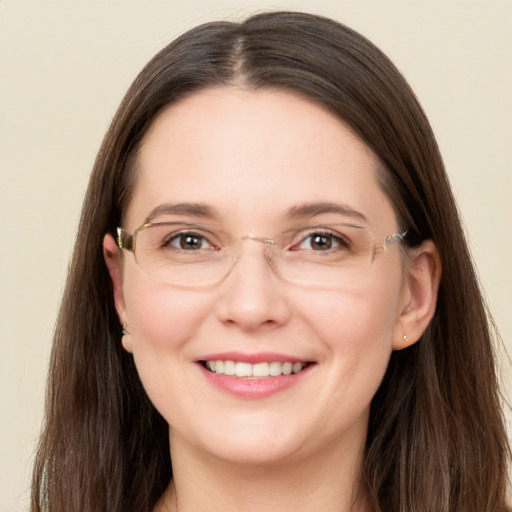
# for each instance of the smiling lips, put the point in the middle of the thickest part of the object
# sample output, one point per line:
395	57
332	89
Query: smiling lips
253	376
258	370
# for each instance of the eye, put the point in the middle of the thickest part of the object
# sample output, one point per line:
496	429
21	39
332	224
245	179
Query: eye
188	241
320	241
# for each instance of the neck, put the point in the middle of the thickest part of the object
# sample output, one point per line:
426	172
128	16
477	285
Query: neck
326	481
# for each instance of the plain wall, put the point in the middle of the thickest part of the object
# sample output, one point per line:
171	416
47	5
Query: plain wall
64	67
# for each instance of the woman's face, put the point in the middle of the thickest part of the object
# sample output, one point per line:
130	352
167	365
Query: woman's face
259	163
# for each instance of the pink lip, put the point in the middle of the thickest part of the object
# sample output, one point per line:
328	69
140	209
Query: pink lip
260	357
253	388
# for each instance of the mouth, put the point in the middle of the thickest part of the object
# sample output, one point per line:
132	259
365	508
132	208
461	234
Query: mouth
260	370
254	376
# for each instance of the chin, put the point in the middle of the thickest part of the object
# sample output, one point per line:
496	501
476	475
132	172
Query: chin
257	444
257	454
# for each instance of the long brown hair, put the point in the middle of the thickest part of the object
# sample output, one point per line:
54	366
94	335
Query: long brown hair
436	439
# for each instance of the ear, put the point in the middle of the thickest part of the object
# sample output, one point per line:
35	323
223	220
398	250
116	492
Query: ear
113	260
421	284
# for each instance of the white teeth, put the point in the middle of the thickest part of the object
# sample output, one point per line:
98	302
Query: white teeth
258	370
229	368
243	370
287	368
297	367
275	368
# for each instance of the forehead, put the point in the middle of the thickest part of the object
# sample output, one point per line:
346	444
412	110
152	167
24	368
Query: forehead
251	155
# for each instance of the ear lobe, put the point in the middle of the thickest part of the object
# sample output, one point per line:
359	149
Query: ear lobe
112	255
420	295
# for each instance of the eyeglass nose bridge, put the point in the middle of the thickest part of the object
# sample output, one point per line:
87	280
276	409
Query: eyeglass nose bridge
268	255
267	241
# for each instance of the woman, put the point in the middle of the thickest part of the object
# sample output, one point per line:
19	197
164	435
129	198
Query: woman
298	325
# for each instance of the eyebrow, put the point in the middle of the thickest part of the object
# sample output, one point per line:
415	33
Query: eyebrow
308	210
302	211
190	209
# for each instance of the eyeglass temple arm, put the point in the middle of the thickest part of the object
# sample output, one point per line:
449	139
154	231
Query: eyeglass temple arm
124	240
395	238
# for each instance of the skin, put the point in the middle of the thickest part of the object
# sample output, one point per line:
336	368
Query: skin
251	158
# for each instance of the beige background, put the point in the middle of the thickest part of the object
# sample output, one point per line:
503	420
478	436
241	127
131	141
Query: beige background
64	67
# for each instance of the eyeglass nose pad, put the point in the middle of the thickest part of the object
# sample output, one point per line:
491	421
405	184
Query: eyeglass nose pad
234	261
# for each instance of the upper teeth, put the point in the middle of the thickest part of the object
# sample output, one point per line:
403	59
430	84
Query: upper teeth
240	369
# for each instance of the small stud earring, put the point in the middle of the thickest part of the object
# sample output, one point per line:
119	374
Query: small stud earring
126	339
404	337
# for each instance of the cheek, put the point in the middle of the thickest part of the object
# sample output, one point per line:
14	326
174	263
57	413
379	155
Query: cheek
362	313
159	317
356	332
162	322
355	328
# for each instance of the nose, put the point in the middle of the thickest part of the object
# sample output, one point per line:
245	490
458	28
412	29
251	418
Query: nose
252	296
